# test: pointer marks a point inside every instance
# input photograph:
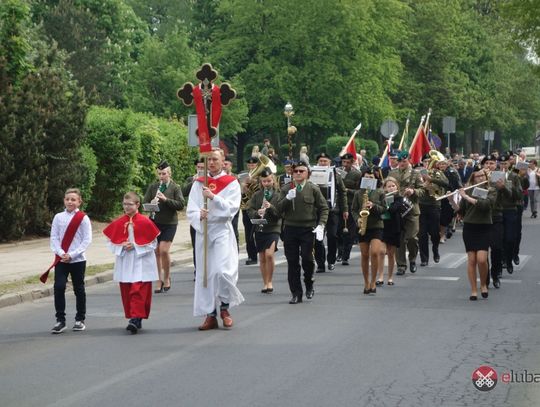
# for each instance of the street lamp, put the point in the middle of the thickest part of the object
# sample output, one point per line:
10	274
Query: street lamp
288	112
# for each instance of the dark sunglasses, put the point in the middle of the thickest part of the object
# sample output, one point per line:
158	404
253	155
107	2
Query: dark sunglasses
299	171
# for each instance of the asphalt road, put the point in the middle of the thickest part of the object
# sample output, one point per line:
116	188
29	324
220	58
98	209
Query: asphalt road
414	344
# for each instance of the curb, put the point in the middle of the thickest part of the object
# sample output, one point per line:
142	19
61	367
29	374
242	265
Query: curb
37	293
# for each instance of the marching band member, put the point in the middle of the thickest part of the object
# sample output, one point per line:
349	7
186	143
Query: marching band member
263	205
168	195
371	233
352	184
286	178
224	196
335	214
305	212
476	214
509	205
430	210
447	213
391	228
410	185
251	164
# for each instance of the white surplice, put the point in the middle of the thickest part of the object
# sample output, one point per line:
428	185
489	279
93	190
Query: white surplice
138	264
222	255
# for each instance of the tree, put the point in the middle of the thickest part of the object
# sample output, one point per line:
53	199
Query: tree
102	38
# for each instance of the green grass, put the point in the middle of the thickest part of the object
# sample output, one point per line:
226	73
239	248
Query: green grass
29	283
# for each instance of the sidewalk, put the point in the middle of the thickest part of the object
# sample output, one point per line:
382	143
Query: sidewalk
31	258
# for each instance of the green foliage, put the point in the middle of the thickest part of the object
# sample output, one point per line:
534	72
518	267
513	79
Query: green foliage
128	146
87	168
41	118
103	39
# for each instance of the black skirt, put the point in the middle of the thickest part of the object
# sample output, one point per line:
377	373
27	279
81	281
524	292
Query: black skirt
476	236
167	232
263	241
370	235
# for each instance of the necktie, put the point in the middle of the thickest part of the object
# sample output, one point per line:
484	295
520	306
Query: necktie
299	188
162	187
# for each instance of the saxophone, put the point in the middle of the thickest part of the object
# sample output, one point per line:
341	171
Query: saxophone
364	213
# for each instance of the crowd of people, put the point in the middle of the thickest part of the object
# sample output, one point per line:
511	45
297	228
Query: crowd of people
391	212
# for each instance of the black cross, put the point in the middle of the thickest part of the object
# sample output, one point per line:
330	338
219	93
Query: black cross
206	75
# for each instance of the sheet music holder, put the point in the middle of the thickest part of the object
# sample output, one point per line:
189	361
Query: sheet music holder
150	207
259	221
480	193
368	183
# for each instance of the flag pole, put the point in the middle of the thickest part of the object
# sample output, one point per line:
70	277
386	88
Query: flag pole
405	133
351	140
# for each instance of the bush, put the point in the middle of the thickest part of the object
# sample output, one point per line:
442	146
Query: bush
87	169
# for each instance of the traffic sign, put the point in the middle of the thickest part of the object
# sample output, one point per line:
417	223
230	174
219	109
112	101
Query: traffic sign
388	128
449	125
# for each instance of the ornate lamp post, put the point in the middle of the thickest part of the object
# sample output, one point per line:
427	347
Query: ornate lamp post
291	130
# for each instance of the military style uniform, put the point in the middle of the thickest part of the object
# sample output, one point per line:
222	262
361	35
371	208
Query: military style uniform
510	218
408	178
351	180
300	215
335	214
430	218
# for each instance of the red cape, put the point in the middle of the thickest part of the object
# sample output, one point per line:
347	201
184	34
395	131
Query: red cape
144	230
216	185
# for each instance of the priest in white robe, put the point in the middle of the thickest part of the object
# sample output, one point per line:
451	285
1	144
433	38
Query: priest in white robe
224	195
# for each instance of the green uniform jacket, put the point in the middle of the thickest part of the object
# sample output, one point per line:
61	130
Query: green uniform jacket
271	215
409	178
310	208
502	194
438	178
168	209
516	193
352	183
377	197
481	213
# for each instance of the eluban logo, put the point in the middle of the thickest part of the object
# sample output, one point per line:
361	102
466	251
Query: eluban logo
484	378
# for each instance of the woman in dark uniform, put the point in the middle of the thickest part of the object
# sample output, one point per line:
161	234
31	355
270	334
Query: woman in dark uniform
392	227
263	205
477	221
371	242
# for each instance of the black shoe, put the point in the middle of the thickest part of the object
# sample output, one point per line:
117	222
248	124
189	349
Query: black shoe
345	263
373	291
159	290
249	262
473	298
295	299
310	293
423	263
485	295
400	272
516	260
436	258
448	234
412	267
321	270
339	258
367	291
378	283
331	267
496	283
58	328
264	291
132	326
510	268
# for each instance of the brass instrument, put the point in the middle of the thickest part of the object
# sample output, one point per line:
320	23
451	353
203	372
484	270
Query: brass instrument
253	185
364	213
434	190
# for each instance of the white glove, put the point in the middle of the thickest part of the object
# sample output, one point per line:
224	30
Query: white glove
319	233
291	194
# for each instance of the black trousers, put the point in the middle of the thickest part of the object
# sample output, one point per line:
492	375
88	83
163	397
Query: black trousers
331	241
519	227
250	237
429	228
496	246
298	242
510	234
61	272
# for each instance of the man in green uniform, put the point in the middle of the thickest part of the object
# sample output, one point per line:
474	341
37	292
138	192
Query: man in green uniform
351	179
410	187
304	211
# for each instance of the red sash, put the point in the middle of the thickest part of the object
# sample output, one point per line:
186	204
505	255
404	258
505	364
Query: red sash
66	241
216	185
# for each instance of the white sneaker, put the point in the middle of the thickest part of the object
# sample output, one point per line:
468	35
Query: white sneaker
58	328
79	326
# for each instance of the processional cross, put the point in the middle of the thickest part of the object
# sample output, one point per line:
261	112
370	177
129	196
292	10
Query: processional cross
208	98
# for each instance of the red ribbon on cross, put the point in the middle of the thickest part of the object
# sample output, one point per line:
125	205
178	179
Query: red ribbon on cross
215	115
